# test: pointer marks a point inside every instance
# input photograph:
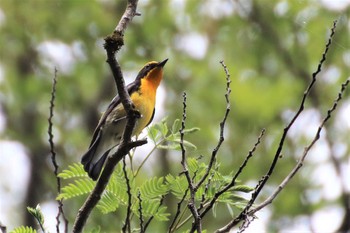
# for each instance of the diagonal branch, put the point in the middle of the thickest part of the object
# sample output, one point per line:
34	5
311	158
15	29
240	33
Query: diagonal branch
113	43
172	226
234	178
305	153
243	215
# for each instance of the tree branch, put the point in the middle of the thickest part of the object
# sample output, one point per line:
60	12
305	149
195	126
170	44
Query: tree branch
305	153
113	43
243	215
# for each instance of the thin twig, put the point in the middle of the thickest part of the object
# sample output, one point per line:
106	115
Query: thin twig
178	211
221	137
53	157
126	226
305	153
201	205
140	212
262	182
222	127
197	225
234	178
152	217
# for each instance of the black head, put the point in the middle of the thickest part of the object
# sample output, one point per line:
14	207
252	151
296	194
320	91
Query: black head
153	65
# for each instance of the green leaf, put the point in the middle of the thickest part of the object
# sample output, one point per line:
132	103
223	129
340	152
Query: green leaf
23	229
176	126
191	130
75	170
170	146
154	134
108	203
151	208
153	188
242	188
37	214
117	184
237	198
187	144
162	128
178	185
230	210
80	187
193	165
97	229
116	191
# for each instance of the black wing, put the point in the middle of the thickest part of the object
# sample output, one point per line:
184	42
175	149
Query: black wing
132	87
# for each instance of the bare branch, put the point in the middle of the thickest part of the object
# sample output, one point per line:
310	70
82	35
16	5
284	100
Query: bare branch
305	153
142	230
53	157
222	126
127	17
243	215
127	225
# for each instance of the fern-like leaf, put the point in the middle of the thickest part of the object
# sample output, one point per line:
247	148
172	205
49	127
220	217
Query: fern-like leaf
153	188
108	203
177	185
75	170
78	188
23	229
117	184
151	208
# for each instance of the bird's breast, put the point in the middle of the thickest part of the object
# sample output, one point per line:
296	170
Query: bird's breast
144	102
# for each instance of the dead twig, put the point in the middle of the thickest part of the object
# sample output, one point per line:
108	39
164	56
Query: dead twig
53	157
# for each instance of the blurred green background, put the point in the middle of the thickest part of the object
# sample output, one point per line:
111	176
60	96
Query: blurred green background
271	49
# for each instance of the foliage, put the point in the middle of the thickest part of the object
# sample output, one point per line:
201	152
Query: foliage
147	198
38	215
23	229
271	48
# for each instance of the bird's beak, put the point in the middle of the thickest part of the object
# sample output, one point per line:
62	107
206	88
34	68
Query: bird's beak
162	63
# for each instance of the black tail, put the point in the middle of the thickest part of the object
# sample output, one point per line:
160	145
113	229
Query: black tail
93	168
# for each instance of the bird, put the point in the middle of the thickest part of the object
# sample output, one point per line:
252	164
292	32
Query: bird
110	128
